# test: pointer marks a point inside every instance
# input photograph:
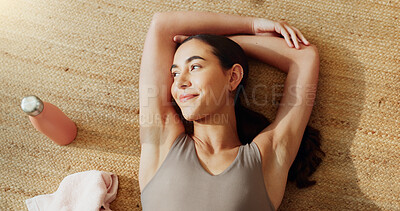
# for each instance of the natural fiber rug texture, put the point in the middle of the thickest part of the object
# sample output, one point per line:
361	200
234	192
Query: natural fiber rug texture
84	57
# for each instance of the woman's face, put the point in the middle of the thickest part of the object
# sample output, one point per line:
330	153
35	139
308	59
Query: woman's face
200	87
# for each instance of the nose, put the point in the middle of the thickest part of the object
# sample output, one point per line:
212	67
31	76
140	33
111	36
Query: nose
183	81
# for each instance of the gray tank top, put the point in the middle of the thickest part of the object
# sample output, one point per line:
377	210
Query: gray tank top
181	182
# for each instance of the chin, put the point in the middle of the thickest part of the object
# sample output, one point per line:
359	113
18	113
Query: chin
189	117
192	116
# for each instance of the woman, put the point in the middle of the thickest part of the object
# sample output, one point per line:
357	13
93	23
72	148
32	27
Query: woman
219	165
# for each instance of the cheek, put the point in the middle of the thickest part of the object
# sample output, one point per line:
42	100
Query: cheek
202	85
214	89
173	90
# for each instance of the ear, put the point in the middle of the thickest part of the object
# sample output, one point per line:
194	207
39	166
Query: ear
235	76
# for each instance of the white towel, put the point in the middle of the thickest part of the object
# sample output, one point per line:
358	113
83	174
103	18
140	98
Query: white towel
89	190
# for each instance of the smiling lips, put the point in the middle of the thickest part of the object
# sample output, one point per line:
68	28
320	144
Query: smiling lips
186	97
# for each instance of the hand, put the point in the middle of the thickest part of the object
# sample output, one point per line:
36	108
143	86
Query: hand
291	34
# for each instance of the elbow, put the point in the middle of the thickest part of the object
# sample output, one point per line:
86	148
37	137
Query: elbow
164	23
159	21
157	17
314	57
312	49
308	58
164	18
156	20
310	52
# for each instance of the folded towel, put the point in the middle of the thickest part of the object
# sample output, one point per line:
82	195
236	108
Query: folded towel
89	190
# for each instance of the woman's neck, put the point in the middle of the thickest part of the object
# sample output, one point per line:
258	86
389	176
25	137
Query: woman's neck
217	132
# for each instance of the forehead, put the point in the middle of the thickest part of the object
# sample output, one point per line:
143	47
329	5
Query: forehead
191	48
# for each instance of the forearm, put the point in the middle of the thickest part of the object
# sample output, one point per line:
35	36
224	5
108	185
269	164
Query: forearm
272	50
195	22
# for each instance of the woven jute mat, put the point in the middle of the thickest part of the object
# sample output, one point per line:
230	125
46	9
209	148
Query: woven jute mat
84	57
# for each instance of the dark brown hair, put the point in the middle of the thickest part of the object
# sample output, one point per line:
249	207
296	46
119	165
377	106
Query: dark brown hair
250	123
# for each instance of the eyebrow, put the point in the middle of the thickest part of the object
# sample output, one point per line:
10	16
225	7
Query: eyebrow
188	60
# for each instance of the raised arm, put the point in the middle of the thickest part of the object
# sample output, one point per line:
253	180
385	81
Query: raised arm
302	68
280	141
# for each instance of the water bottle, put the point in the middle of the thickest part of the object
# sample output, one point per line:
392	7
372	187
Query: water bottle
49	120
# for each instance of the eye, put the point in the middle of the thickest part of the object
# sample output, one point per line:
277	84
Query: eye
194	66
174	74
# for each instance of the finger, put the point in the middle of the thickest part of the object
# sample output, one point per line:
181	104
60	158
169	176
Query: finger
281	30
302	38
179	38
293	36
287	38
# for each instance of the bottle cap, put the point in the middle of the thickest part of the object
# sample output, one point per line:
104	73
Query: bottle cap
32	105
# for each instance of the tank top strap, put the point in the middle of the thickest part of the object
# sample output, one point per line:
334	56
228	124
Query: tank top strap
256	152
180	139
250	156
181	147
